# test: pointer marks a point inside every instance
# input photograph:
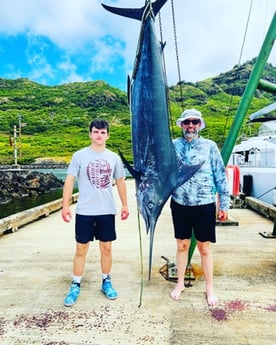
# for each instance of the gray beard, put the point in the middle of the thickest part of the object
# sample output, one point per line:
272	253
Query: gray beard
190	135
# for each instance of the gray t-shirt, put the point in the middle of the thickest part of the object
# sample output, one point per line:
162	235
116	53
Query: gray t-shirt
95	172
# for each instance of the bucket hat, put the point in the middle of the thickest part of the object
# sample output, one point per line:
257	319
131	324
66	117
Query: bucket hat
191	113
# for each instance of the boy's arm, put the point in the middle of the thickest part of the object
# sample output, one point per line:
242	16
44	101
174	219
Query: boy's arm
122	190
67	196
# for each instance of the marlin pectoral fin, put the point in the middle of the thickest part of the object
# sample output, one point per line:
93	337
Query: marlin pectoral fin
136	174
185	172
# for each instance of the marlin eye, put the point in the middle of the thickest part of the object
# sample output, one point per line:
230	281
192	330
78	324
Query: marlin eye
150	205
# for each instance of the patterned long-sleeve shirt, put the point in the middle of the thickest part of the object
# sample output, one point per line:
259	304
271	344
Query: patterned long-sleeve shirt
210	179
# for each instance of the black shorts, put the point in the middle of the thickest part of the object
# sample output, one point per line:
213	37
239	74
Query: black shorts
200	219
88	228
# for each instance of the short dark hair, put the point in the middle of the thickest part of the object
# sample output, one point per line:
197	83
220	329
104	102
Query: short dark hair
99	124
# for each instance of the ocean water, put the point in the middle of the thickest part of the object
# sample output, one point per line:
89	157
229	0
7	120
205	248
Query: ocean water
33	201
59	173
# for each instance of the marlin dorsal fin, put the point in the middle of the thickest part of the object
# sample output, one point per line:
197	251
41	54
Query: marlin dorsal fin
136	174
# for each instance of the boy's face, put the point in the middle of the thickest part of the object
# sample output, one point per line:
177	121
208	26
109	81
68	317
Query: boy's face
99	136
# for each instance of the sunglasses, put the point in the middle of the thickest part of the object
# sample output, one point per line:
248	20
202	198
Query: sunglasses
194	122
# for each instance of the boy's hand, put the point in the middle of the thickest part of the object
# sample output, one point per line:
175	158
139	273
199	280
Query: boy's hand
124	213
66	215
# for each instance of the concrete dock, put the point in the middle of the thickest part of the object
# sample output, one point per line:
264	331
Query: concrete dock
36	269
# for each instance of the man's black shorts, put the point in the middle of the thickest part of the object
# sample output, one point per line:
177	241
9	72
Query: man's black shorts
200	219
88	228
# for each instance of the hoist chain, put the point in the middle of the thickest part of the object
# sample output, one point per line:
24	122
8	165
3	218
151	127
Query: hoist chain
175	42
177	54
177	62
165	74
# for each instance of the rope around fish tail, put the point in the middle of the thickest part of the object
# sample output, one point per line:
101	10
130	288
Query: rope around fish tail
141	261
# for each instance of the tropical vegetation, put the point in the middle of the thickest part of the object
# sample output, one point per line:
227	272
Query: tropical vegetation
51	122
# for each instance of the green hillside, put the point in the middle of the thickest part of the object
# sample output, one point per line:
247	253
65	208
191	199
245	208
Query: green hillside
55	119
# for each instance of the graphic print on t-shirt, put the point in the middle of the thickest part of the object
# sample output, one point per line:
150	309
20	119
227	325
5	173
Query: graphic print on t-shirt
98	173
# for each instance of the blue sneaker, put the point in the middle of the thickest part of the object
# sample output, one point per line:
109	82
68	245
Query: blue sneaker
108	290
73	295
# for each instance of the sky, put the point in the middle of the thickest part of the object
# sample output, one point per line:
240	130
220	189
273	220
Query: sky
53	42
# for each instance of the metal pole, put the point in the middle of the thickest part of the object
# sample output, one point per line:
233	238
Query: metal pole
249	91
19	136
267	86
15	147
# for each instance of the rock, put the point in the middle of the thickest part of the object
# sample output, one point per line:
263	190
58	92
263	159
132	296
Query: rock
20	183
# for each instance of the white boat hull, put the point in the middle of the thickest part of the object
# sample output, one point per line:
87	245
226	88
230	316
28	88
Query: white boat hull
263	183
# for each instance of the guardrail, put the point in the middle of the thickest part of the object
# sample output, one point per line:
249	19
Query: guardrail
14	222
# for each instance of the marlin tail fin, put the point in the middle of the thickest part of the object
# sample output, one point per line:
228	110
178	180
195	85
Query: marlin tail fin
136	13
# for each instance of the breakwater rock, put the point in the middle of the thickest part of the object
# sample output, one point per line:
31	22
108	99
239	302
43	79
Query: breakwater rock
20	183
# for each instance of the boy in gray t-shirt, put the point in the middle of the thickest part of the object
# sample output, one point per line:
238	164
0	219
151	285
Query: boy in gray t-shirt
95	168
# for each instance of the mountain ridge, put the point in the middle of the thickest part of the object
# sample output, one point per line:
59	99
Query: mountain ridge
52	121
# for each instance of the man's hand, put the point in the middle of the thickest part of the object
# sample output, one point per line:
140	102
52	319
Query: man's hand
222	215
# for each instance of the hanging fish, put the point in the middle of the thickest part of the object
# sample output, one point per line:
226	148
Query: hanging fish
156	169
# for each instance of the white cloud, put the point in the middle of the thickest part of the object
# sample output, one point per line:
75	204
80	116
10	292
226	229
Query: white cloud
66	23
209	34
106	54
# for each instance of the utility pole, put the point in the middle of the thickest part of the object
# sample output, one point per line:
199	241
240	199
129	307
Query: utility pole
19	135
15	144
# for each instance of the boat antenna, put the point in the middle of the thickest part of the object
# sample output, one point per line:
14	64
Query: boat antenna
239	63
245	33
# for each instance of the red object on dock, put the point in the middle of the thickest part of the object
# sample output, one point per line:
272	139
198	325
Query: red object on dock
233	174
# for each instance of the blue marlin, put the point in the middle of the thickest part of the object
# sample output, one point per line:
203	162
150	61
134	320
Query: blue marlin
155	167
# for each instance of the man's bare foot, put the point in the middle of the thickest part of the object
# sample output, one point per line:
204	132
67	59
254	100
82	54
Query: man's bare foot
176	292
211	298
